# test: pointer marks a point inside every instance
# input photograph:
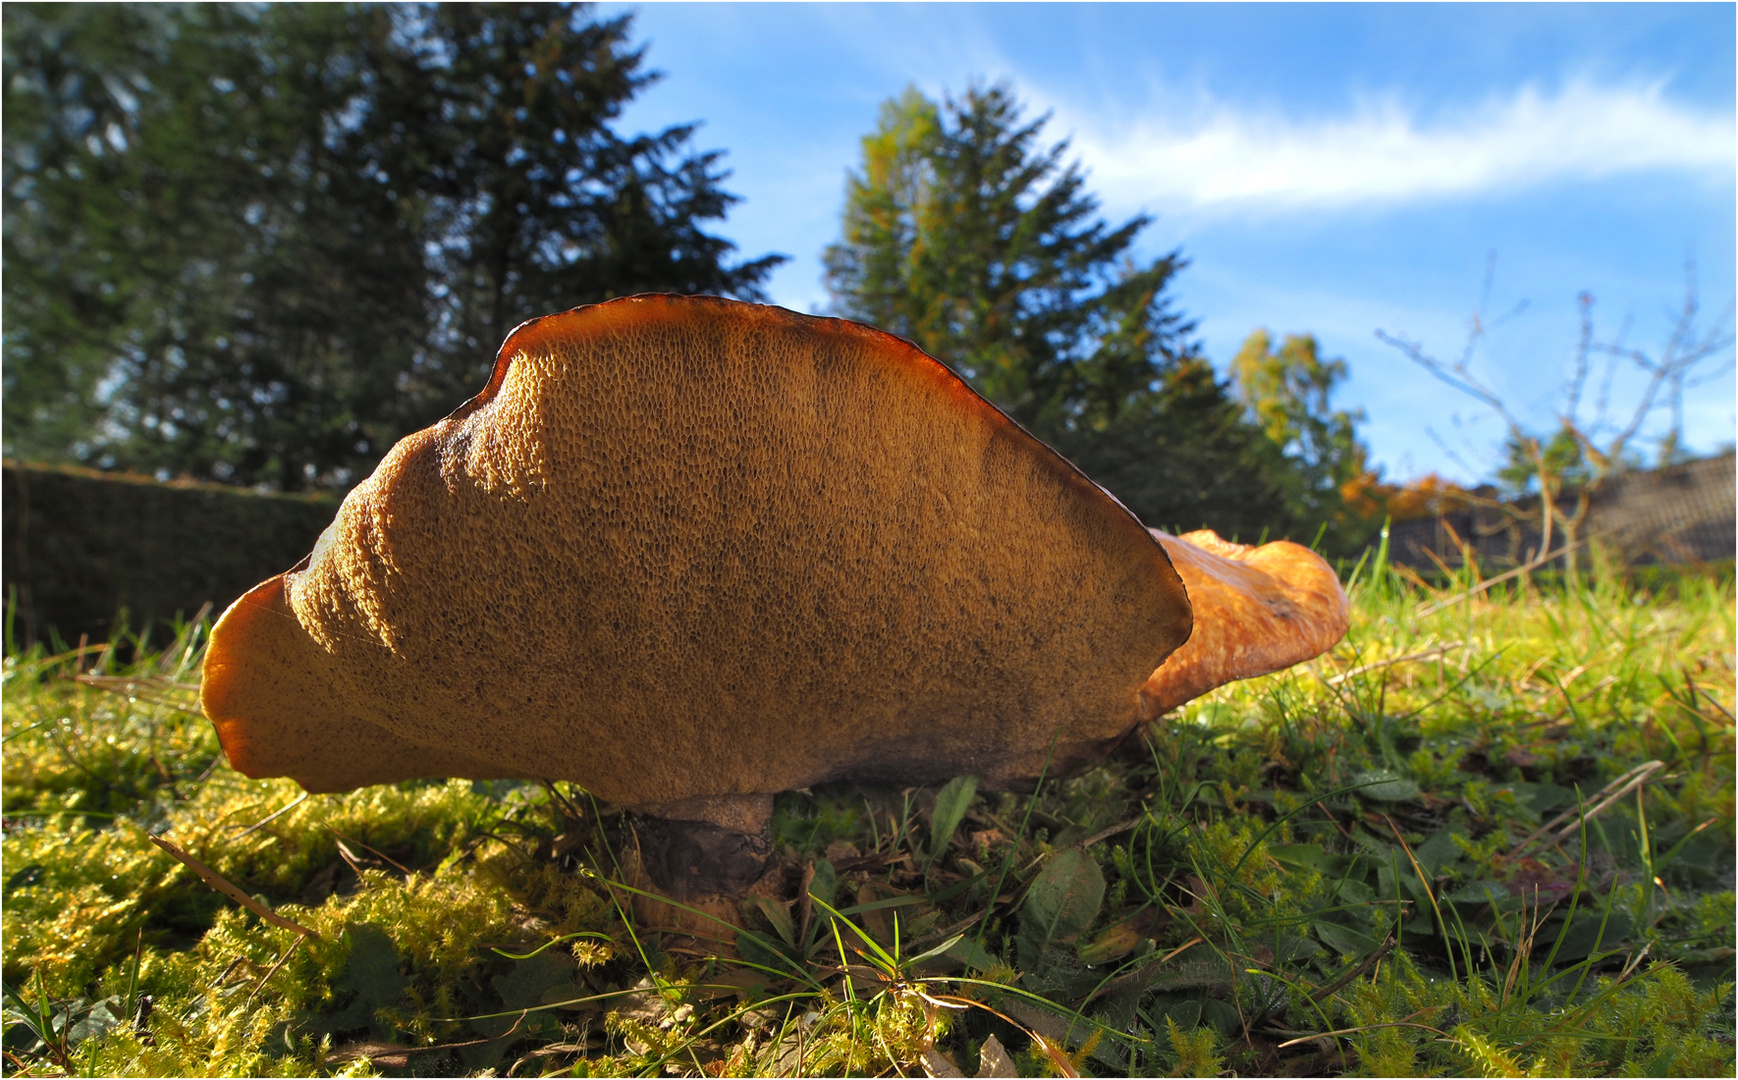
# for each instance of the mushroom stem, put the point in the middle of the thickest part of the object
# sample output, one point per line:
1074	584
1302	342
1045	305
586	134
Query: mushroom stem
1257	610
706	845
689	860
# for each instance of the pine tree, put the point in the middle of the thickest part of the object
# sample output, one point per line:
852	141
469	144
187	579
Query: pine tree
968	235
260	244
982	246
503	114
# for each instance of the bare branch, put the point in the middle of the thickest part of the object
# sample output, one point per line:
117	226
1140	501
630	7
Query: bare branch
1579	379
1458	374
1684	350
1442	444
1600	443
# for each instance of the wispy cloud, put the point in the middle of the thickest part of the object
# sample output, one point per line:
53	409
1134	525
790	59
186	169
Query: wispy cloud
1385	154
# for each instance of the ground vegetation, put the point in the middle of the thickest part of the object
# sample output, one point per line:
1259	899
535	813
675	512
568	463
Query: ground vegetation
1490	833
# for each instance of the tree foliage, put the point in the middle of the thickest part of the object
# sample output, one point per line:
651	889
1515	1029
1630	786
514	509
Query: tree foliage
260	244
1288	393
966	233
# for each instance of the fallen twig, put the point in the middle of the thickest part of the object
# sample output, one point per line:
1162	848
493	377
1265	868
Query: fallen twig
217	881
1361	669
1340	983
267	977
262	822
1355	1030
1607	795
1105	834
393	1056
350	858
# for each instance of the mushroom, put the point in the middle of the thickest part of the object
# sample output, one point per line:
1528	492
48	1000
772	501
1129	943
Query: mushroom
1257	610
689	553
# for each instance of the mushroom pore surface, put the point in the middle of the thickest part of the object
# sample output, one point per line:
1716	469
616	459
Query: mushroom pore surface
683	550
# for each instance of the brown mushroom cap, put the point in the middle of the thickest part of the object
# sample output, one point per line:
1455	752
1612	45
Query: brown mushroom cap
1257	610
683	550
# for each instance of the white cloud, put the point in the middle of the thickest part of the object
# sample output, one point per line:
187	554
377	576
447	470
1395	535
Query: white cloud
1384	154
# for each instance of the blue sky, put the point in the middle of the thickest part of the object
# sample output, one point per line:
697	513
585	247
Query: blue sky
1331	169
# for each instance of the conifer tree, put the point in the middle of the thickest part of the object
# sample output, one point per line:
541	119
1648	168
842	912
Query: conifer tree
259	244
967	234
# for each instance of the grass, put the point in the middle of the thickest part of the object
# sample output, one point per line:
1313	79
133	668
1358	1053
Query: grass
1446	849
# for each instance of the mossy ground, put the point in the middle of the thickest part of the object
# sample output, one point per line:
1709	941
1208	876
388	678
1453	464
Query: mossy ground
1332	870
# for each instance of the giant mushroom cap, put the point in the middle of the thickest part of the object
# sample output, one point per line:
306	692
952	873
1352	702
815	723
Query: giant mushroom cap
690	552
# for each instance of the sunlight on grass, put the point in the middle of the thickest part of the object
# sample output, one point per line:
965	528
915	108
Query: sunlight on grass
1495	839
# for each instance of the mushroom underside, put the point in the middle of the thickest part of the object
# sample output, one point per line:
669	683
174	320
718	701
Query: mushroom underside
689	553
1257	610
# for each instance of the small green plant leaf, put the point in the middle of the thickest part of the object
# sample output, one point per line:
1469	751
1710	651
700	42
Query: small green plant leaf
1542	798
370	976
1223	1017
531	980
1479	892
1303	856
1583	936
1188	974
1386	785
372	970
1290	948
759	953
951	803
1437	852
823	887
779	916
535	981
1064	898
1185	1015
1344	940
102	1018
1111	943
973	955
945	948
826	882
1062	901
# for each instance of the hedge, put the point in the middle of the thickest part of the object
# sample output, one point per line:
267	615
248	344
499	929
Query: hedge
84	549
